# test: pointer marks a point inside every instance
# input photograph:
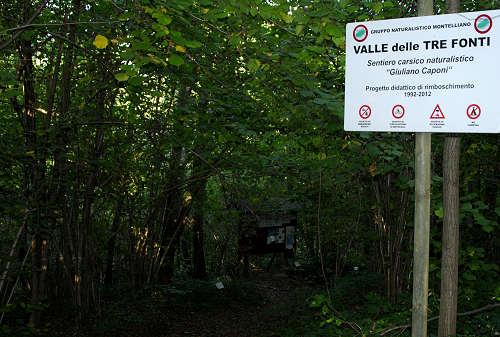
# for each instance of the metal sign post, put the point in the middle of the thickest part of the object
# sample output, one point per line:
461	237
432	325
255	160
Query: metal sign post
422	219
421	234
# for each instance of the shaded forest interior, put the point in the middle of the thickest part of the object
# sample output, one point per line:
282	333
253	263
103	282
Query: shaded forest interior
180	168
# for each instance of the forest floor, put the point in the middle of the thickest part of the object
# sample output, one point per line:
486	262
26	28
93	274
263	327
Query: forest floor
267	304
281	304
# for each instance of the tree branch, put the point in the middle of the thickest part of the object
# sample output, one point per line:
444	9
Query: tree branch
32	25
30	20
467	313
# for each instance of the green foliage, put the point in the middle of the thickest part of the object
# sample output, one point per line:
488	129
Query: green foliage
356	288
15	323
146	311
131	119
202	294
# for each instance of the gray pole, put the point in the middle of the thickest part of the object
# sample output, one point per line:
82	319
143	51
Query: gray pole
421	235
422	218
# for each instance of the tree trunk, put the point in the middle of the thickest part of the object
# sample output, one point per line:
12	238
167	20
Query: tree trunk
451	212
392	207
198	194
35	176
449	264
108	275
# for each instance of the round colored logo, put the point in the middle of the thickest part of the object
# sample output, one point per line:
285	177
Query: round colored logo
473	111
365	111
360	33
483	24
398	111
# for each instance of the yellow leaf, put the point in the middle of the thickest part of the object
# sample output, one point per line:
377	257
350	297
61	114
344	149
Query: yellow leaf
166	31
182	49
100	42
372	169
323	23
31	153
205	10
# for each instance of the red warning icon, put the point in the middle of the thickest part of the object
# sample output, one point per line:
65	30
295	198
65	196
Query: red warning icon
473	111
365	111
398	111
437	113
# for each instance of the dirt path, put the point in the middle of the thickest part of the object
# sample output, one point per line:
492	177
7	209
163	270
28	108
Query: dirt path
282	299
272	302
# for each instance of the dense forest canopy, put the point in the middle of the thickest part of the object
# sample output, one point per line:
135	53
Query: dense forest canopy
137	136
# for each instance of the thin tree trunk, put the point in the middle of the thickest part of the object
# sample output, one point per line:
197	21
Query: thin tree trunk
449	264
451	212
199	196
108	276
3	279
58	194
35	175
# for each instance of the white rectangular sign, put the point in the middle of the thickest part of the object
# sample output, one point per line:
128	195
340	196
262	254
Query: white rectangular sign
424	74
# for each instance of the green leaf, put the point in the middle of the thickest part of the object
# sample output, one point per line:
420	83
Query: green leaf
333	30
287	18
13	92
320	101
377	6
235	40
135	81
127	54
164	19
121	77
194	44
316	49
266	12
339	41
253	65
175	60
469	277
466	206
439	212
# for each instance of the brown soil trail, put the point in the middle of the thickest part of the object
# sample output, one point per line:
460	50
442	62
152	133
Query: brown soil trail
281	298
